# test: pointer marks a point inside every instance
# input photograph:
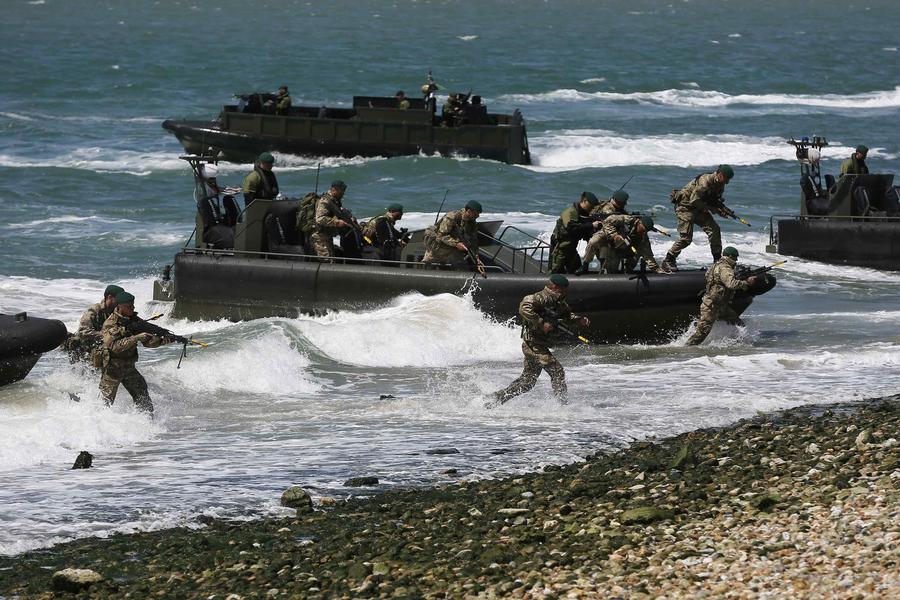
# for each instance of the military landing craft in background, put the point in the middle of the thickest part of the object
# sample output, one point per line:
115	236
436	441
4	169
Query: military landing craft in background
373	126
852	220
266	271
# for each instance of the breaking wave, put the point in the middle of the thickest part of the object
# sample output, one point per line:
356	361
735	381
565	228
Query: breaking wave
695	98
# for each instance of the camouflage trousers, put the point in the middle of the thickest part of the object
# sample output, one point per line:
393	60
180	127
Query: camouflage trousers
564	258
134	383
446	255
537	358
710	312
322	244
703	219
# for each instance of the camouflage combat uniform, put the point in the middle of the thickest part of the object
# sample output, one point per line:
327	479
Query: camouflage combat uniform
441	240
721	284
89	337
119	360
327	210
851	166
383	236
603	244
601	211
283	104
692	206
571	227
536	345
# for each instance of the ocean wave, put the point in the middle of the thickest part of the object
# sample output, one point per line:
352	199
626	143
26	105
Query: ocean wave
65	219
37	116
586	148
695	98
102	160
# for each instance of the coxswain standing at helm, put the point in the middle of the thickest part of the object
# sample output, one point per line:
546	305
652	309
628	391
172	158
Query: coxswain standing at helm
694	204
261	183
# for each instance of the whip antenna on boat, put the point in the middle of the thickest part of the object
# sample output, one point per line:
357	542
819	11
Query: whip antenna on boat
441	207
318	166
622	187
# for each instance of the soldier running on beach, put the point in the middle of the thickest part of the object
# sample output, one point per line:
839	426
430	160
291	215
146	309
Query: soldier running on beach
721	284
541	314
89	338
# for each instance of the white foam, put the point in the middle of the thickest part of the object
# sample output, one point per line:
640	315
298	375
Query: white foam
713	99
64	219
102	160
593	80
424	331
467	38
598	148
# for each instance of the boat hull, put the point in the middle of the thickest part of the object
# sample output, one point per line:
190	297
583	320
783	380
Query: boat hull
873	243
351	138
622	308
22	341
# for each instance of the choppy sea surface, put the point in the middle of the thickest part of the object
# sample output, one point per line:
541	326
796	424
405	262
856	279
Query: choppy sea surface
92	192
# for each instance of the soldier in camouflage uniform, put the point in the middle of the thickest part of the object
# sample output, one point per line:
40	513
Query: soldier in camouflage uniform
283	102
622	237
721	284
120	355
329	221
540	312
856	164
380	232
614	206
261	183
693	205
88	338
572	226
454	240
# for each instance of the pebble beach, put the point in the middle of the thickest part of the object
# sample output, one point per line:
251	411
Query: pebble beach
802	504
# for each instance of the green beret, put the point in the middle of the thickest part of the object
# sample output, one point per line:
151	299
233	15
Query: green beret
474	205
339	184
620	196
395	208
266	157
112	290
862	149
726	170
559	280
730	251
591	198
124	297
647	221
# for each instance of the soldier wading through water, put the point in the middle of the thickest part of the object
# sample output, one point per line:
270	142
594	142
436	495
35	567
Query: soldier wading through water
721	284
542	313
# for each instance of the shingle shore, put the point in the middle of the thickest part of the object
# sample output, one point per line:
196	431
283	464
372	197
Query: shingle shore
799	504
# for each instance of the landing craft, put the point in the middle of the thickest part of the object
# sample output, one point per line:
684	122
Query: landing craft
852	220
373	126
265	271
23	340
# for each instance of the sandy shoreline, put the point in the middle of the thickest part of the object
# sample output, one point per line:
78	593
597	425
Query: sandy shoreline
803	503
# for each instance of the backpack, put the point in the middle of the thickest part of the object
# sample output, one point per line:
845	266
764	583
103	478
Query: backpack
306	213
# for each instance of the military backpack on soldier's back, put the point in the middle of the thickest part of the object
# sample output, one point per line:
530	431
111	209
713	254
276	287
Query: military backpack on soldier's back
306	213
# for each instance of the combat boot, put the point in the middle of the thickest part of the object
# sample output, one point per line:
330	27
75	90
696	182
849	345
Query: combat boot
584	269
668	264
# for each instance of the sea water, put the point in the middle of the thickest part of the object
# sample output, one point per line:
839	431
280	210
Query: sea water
92	192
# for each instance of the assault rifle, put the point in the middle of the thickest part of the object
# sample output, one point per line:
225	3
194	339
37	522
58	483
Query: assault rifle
345	215
723	210
554	320
746	273
476	263
139	325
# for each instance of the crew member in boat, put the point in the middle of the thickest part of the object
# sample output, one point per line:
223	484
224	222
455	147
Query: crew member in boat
282	101
120	355
621	242
694	204
574	224
721	284
614	206
856	164
541	314
451	111
261	182
89	337
382	234
454	240
402	102
331	219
